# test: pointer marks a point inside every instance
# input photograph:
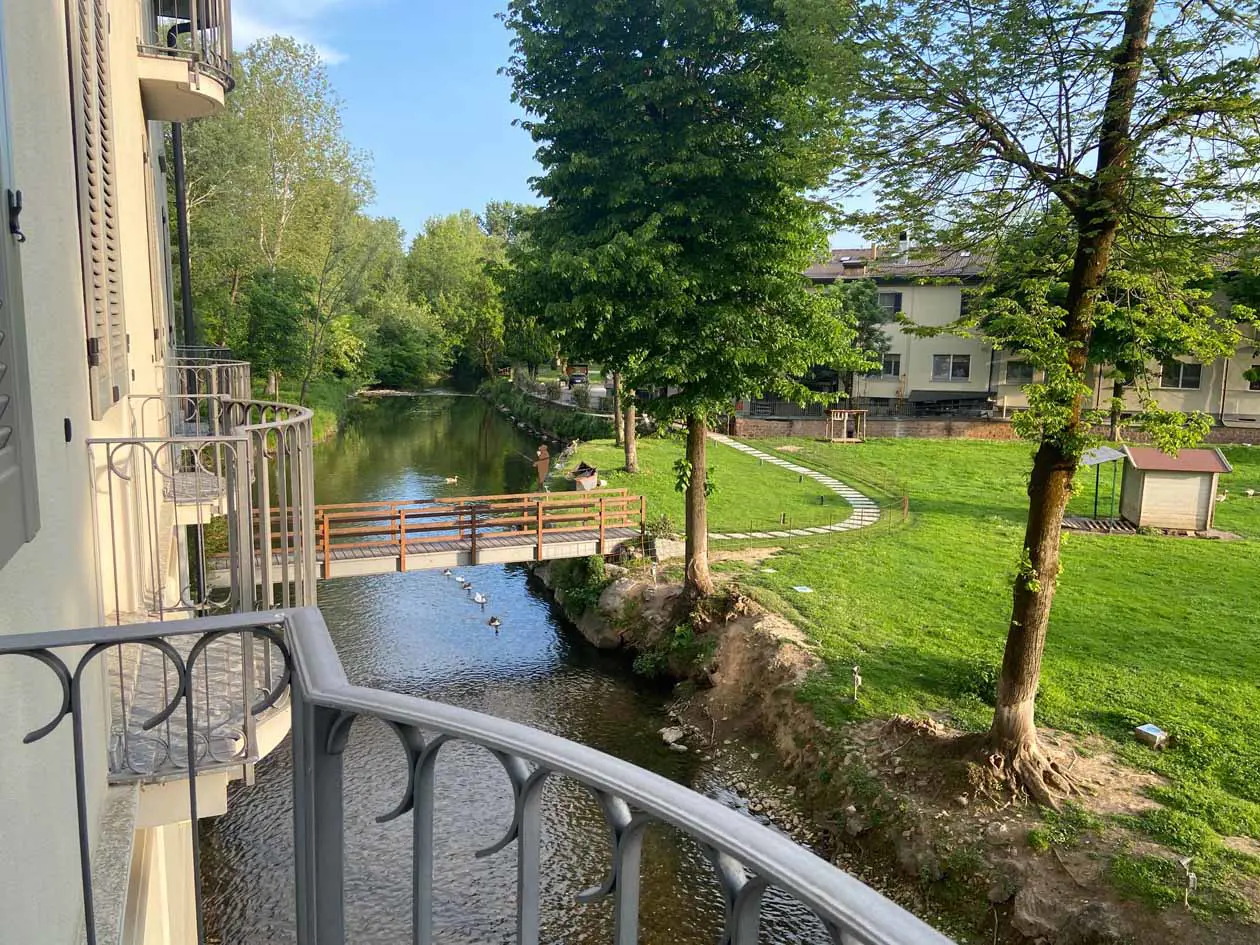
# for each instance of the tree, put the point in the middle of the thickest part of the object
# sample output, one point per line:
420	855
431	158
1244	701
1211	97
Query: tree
407	346
678	142
861	298
968	124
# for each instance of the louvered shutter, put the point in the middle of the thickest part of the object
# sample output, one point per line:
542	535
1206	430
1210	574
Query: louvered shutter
19	513
98	207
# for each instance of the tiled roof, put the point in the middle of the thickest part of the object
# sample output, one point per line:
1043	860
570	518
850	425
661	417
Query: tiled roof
1201	461
889	264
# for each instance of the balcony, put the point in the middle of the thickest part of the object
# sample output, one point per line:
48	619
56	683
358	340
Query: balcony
185	61
750	862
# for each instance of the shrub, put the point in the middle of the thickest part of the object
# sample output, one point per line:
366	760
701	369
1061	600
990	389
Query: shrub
662	526
554	389
582	396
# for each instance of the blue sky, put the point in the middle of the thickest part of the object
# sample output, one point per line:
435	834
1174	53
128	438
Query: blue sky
422	94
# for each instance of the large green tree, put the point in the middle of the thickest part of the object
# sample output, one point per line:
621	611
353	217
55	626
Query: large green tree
971	121
678	142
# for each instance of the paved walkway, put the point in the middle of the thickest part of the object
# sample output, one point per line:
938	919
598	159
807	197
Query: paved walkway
865	511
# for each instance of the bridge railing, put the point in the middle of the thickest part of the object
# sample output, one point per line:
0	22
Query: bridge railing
387	529
751	863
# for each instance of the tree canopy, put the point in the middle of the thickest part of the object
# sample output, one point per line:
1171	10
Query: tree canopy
678	143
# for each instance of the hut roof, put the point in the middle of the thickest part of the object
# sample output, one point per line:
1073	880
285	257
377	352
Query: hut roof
1200	461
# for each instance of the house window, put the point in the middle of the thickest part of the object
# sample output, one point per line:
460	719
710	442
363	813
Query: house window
951	367
1181	376
890	302
892	366
1255	371
19	508
1019	372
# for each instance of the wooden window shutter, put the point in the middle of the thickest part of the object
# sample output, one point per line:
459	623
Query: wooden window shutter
98	207
19	508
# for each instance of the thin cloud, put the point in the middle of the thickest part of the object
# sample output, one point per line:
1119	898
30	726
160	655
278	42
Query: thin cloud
300	19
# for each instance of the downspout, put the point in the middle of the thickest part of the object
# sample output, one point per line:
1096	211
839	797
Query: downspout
1220	417
181	210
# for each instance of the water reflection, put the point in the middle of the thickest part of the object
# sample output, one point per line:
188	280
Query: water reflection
418	633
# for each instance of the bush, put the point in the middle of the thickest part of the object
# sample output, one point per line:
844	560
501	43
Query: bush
554	390
560	422
582	396
662	526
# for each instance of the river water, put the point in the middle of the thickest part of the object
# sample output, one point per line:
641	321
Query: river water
418	633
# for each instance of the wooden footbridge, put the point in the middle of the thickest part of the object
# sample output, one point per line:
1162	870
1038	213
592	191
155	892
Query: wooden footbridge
378	537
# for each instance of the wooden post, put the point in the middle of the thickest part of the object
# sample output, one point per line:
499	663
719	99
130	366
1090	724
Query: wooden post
327	550
601	524
402	540
643	524
538	525
472	531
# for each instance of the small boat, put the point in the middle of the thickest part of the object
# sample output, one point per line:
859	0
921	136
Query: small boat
585	477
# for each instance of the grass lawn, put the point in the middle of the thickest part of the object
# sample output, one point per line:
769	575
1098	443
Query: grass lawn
749	495
326	398
1144	629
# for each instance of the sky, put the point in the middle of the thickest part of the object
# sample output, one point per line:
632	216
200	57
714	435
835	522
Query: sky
422	94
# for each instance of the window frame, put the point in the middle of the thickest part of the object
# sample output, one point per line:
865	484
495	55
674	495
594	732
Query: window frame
950	377
898	305
1180	370
1022	364
883	367
1253	385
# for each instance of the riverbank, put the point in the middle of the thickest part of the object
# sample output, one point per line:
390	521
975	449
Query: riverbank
542	419
920	609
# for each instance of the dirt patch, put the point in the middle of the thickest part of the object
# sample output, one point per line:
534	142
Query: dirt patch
749	555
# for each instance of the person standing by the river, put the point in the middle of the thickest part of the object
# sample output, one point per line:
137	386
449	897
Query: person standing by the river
542	463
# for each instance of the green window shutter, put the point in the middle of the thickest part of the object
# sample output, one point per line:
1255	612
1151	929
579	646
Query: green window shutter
19	508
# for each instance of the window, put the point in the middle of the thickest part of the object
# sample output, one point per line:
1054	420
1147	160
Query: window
892	366
1255	373
19	511
1179	375
98	205
951	367
890	302
1019	372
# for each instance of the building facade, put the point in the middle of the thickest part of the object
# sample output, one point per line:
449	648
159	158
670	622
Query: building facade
948	375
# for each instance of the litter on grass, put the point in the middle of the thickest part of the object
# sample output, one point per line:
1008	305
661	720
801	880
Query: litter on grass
802	589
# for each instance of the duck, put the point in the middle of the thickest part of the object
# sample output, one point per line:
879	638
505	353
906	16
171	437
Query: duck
451	480
466	585
480	598
494	622
458	579
446	572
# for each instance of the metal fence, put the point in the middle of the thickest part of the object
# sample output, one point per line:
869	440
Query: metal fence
197	30
748	859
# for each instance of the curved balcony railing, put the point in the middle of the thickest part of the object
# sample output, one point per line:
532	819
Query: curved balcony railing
199	31
749	860
213	523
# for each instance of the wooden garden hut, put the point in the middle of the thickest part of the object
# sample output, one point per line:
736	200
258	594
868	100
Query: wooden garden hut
1163	491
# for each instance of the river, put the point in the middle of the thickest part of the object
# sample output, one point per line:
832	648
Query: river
418	633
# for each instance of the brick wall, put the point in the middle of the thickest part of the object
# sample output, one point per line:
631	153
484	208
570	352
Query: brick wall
945	428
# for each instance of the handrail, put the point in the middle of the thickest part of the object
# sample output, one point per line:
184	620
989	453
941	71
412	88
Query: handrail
748	858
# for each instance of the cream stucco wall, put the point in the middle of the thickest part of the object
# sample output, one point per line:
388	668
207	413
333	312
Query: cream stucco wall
51	583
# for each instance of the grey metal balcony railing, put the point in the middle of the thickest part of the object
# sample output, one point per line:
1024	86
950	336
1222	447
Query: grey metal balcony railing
219	521
199	31
748	859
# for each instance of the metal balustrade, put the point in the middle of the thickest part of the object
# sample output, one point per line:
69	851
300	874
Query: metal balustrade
199	31
748	859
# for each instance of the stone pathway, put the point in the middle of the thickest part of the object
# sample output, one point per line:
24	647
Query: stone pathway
865	511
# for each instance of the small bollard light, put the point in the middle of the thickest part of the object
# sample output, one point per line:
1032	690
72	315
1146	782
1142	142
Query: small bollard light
857	681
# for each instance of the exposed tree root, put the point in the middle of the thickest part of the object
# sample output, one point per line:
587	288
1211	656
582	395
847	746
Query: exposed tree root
1027	769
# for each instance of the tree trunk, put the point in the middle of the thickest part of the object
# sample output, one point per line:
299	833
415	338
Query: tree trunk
1012	738
619	421
1117	395
698	582
630	440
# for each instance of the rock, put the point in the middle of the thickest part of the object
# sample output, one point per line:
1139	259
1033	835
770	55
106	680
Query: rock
754	755
854	823
1038	910
962	800
916	857
675	746
741	787
1096	924
1001	891
997	832
672	733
